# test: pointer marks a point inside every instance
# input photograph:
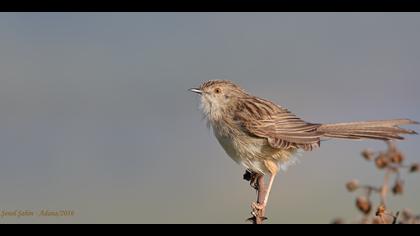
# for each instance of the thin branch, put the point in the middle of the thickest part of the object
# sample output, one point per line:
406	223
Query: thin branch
257	215
385	187
262	192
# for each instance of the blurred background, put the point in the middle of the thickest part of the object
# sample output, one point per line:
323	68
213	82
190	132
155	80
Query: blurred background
95	115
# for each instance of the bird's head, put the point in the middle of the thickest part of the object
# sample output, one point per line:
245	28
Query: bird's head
218	97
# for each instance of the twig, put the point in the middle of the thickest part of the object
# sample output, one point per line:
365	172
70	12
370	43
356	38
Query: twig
392	162
262	192
385	187
257	215
394	221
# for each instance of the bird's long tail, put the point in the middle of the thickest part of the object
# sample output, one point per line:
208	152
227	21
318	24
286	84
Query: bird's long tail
379	129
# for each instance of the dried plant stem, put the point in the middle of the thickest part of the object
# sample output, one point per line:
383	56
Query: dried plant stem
262	192
385	187
382	219
370	189
395	218
392	163
258	215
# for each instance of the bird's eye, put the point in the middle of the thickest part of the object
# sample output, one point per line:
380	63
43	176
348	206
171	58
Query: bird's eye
217	90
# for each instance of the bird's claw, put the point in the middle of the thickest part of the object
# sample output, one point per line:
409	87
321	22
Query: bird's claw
257	211
254	181
257	206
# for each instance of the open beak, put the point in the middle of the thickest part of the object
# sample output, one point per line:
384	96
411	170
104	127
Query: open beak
196	90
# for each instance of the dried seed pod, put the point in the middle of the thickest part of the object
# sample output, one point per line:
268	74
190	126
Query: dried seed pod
397	158
414	167
364	205
381	161
367	154
398	187
352	185
381	210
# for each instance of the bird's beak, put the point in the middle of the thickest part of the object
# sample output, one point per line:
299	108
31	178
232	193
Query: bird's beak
196	90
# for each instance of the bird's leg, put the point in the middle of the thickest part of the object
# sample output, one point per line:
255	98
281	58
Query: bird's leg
254	181
264	194
258	213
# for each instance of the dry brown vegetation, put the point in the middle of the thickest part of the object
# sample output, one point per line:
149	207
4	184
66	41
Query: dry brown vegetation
392	163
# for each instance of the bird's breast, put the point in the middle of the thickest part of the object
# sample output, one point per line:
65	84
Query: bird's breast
244	150
251	152
229	146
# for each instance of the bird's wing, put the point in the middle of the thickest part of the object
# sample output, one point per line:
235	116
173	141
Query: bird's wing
281	128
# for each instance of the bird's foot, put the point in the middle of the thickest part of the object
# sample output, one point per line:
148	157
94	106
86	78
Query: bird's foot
257	206
257	213
254	181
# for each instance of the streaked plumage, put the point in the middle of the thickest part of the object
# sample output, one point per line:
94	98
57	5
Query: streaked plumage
262	135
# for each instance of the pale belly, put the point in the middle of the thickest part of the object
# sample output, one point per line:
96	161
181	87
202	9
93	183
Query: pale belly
255	153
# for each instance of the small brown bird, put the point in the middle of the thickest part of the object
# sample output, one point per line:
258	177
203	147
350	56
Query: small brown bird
264	137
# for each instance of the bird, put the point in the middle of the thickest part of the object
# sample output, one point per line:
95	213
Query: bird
265	137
